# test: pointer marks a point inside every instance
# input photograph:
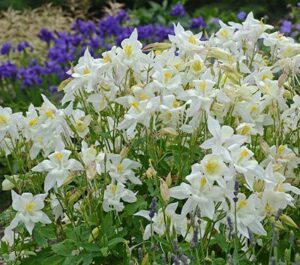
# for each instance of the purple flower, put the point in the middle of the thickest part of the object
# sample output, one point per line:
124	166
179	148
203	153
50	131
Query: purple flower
297	26
241	15
286	27
122	16
216	21
23	45
8	70
177	11
197	23
46	35
5	49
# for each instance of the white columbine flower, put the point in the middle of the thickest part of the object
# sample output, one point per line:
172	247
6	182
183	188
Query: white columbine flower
58	167
200	193
158	223
113	195
121	170
222	138
30	212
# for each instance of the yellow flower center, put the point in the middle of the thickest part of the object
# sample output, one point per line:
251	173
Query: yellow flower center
212	167
268	208
80	126
113	188
136	105
120	168
58	156
168	75
242	204
128	50
279	188
3	120
49	114
192	40
169	116
203	182
29	207
253	109
224	33
197	66
281	149
244	153
143	96
176	104
157	52
107	59
86	71
33	121
245	130
202	85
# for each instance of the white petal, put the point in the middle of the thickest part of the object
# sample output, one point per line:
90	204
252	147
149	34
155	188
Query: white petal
74	165
50	181
46	165
180	192
143	213
213	126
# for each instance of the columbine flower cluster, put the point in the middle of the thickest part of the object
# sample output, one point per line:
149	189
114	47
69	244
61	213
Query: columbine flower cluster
227	106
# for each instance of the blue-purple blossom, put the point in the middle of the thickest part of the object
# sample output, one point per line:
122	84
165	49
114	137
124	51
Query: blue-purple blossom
241	15
5	49
198	23
286	27
46	35
177	11
23	45
8	70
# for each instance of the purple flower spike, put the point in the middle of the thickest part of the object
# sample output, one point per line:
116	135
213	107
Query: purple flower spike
23	45
286	27
177	11
6	47
241	15
198	23
46	35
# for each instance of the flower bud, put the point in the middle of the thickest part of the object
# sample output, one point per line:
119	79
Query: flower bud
7	184
94	234
168	131
164	191
169	180
288	220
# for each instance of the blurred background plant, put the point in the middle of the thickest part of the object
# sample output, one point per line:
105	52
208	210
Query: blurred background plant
38	45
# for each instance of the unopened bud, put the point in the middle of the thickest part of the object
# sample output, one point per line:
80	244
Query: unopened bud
164	191
169	180
94	234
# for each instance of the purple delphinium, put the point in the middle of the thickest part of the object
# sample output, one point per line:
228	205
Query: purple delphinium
5	49
46	35
23	45
122	16
241	15
31	75
216	21
286	27
198	23
297	26
177	10
8	70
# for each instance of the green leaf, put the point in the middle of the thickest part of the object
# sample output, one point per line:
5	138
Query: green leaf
115	241
104	251
64	248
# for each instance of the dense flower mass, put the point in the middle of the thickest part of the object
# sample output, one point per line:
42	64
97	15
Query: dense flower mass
210	127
